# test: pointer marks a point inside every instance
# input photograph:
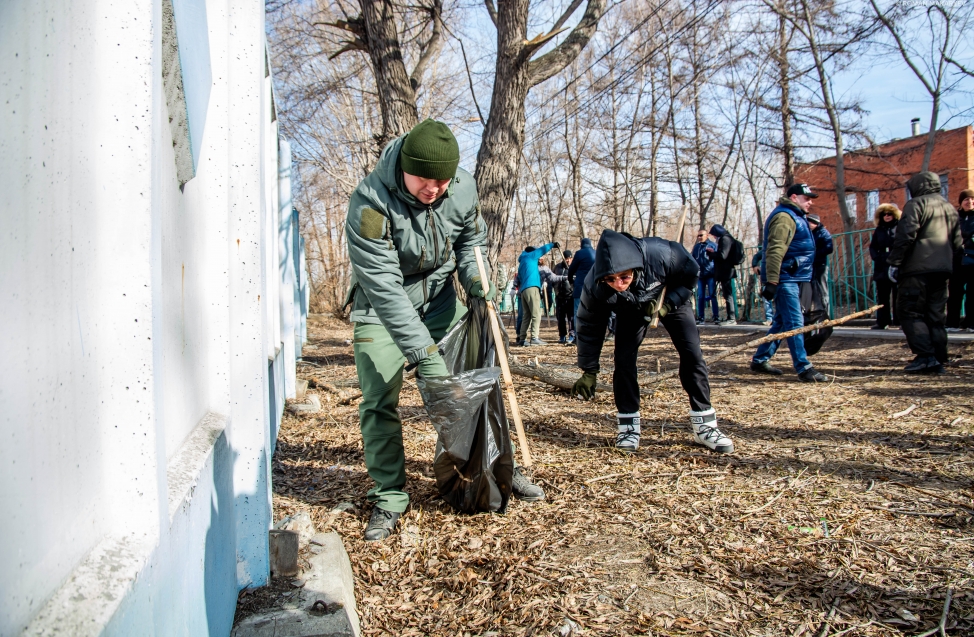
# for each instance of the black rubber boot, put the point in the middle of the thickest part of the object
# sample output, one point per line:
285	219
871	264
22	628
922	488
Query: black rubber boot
812	375
381	524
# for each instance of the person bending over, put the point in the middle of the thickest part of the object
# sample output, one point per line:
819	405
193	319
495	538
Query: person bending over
637	278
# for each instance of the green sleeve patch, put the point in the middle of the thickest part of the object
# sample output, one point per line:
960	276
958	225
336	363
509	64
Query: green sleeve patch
371	224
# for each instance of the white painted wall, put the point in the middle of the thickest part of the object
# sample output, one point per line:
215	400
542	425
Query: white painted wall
139	320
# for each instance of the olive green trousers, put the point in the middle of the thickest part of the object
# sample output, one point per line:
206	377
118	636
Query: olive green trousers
379	364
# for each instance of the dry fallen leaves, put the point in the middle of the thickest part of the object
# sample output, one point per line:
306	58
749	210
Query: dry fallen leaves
831	518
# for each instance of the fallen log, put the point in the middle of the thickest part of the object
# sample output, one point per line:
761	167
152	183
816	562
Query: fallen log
548	375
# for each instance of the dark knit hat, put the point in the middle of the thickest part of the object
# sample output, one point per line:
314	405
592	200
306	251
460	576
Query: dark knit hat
964	194
430	151
567	254
812	218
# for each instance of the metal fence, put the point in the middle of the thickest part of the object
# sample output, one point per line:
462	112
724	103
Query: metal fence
849	278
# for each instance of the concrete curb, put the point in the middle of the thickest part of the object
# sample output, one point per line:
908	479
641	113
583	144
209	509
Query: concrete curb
325	607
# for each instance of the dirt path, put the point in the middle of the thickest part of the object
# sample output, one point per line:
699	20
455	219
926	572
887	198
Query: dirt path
830	508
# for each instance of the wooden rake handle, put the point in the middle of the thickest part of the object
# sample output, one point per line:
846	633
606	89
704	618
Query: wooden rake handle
505	368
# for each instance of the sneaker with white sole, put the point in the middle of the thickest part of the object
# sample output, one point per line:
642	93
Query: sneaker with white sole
627	438
706	433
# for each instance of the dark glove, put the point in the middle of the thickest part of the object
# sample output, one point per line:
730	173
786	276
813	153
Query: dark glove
433	366
768	290
477	289
557	245
585	386
894	274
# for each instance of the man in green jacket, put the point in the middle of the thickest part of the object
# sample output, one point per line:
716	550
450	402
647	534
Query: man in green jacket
412	222
926	242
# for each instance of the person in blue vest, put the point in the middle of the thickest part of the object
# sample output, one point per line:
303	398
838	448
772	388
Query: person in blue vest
529	284
706	284
789	256
582	262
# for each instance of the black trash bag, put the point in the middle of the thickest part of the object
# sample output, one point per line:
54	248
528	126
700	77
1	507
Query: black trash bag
474	461
814	296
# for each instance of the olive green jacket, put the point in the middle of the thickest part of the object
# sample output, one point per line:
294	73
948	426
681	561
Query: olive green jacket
404	252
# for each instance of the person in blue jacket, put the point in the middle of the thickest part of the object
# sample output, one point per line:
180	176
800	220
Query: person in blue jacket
582	262
529	284
789	255
706	285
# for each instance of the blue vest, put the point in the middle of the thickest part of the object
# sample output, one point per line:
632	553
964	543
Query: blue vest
798	260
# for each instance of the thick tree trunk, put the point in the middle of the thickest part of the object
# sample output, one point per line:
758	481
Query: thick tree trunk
515	73
500	150
396	94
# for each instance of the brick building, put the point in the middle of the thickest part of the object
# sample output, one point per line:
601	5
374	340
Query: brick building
879	174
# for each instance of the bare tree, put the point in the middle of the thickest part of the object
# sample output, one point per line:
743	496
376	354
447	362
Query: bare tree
515	74
942	21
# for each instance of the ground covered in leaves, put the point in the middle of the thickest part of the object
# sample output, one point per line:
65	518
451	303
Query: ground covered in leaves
837	515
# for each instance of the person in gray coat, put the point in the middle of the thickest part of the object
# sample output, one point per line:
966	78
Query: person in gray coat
926	242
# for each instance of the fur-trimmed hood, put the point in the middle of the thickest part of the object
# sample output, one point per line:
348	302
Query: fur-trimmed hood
883	209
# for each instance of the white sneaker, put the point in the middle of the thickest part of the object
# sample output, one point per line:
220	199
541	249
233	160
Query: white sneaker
706	433
953	330
628	437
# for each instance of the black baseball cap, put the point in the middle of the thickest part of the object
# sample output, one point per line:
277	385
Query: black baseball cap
800	189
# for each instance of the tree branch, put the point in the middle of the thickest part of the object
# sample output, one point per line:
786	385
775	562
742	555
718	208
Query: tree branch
432	46
554	61
491	11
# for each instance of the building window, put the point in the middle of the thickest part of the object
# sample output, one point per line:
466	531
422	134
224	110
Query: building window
872	202
943	187
850	203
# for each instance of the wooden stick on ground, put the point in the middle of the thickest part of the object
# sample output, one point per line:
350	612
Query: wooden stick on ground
654	323
546	376
505	370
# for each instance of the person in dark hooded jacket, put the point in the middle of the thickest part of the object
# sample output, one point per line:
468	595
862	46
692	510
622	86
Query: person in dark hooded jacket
887	216
724	269
924	248
637	279
962	279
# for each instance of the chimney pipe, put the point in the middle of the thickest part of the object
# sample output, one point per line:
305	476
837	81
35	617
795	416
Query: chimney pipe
915	126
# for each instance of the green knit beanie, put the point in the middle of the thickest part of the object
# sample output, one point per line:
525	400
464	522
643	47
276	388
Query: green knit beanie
430	151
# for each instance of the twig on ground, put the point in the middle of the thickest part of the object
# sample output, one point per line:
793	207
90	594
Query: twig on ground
941	627
900	414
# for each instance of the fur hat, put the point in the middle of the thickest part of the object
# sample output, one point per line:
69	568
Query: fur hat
884	208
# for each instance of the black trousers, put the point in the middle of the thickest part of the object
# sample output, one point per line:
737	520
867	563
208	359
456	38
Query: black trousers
922	304
565	309
886	294
682	328
961	283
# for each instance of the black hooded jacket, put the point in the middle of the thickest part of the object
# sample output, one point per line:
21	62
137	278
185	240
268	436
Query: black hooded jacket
723	270
928	234
657	263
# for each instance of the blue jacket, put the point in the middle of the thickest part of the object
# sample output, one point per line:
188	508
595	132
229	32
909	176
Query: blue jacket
582	262
527	267
799	258
823	248
703	259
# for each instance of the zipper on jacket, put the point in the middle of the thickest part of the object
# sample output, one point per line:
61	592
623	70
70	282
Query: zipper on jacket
432	223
